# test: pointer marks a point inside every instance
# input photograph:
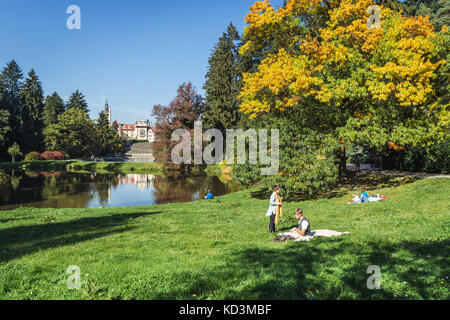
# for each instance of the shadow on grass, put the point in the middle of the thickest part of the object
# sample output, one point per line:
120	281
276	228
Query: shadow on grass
323	269
370	181
19	241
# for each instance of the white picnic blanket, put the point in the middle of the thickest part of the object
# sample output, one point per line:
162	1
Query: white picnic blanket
315	233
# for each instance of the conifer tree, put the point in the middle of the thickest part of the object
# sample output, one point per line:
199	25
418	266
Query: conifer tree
222	82
11	83
53	107
109	139
32	106
77	100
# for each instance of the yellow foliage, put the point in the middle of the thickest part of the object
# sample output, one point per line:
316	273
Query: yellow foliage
397	56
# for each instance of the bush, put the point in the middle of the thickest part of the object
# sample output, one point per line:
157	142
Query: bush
33	156
432	159
307	163
53	155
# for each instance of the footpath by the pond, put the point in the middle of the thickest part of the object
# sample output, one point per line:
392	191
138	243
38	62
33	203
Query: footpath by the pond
366	168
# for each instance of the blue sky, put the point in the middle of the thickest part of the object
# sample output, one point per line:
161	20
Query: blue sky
134	53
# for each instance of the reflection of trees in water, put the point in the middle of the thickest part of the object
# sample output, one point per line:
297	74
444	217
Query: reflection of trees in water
75	190
167	190
102	186
187	189
5	186
54	189
15	181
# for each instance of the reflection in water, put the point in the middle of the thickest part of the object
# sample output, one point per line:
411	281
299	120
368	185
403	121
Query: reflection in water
79	190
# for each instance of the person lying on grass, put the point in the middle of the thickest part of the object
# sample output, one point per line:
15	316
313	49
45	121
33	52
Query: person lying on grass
304	227
364	197
372	198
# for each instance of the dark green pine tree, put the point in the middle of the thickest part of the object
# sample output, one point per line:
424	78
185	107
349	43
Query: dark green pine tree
53	107
222	83
11	83
437	10
31	109
108	138
442	16
77	100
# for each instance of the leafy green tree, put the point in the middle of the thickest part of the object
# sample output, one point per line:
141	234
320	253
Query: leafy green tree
53	107
4	122
78	100
222	83
74	133
109	139
31	108
306	157
11	83
14	151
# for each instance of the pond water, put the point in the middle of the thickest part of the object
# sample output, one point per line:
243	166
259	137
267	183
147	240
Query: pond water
80	190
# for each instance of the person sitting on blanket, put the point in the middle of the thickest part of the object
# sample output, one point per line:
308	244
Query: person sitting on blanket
209	196
304	227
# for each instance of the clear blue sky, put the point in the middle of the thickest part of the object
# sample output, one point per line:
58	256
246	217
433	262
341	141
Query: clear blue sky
134	53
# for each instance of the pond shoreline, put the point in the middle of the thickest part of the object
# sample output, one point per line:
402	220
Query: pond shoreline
79	166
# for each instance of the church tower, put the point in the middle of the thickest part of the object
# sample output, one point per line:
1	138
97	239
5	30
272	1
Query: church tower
107	111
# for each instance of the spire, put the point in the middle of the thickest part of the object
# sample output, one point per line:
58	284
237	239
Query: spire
106	106
107	110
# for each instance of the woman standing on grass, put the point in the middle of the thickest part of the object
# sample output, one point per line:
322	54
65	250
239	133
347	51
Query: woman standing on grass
274	211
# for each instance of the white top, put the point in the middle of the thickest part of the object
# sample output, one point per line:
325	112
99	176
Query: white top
303	225
272	205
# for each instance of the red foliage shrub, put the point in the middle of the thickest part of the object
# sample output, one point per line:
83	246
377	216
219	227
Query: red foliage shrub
53	155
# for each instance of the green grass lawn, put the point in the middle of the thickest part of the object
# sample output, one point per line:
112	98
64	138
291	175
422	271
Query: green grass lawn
221	249
85	166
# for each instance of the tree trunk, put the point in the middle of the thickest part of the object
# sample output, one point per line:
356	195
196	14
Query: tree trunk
13	159
342	164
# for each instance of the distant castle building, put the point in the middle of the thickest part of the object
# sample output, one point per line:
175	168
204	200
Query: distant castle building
141	130
107	111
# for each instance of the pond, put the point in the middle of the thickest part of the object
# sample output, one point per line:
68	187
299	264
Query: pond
84	190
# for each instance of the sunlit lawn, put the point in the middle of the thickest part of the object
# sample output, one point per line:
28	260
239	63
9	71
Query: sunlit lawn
221	249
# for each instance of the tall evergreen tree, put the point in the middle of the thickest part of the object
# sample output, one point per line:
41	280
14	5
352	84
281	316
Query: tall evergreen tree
53	107
32	106
222	82
442	16
11	83
109	139
437	10
77	100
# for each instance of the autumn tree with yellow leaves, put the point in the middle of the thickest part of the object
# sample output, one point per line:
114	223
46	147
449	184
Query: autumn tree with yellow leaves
338	75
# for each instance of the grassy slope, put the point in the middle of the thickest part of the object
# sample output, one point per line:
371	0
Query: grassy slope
221	249
86	166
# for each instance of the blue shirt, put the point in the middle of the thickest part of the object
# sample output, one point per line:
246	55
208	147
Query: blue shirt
209	196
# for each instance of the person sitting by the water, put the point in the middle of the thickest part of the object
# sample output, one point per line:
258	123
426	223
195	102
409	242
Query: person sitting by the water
304	227
209	196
